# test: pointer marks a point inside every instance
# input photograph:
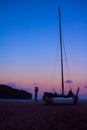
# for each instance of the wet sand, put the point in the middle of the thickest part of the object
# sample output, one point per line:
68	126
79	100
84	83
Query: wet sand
39	116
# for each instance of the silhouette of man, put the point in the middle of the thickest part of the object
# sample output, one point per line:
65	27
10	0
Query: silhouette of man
36	93
70	93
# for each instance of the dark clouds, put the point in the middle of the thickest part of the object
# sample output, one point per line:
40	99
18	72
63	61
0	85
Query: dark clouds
68	81
85	86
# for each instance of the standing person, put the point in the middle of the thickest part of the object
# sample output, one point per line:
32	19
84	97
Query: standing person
36	93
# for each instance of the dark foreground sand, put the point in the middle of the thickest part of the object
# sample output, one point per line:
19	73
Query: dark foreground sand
38	116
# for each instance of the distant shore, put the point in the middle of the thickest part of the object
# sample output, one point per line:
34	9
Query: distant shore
39	116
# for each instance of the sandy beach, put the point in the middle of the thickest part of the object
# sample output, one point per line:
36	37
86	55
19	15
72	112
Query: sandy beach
39	116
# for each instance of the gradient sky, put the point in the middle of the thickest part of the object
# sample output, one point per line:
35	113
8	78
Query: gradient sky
29	43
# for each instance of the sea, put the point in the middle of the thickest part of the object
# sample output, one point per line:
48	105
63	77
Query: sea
39	100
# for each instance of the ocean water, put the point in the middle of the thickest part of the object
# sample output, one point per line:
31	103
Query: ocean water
40	100
20	100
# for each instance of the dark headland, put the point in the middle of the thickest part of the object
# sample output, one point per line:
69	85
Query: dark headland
7	92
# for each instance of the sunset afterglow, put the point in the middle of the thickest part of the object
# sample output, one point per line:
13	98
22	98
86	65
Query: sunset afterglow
29	44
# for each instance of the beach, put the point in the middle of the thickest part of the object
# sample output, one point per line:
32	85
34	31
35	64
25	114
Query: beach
39	116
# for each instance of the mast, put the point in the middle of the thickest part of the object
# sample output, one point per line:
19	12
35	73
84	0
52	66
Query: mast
61	53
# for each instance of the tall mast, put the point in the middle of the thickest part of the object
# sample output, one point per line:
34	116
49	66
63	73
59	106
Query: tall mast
61	53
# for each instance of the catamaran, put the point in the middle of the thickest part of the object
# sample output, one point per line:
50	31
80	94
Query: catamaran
49	97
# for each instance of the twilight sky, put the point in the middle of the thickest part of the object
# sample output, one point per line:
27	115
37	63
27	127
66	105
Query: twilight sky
29	43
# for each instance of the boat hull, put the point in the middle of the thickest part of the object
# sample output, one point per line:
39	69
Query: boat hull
52	98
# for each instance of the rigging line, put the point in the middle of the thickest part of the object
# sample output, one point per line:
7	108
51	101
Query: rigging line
64	51
54	70
66	62
65	59
67	65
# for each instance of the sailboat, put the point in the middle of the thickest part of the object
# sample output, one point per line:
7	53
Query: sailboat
49	97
